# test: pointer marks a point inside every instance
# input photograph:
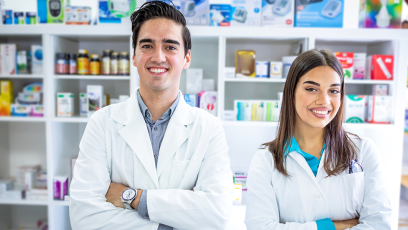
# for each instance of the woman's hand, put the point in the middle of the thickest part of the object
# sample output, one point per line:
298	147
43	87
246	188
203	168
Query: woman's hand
345	224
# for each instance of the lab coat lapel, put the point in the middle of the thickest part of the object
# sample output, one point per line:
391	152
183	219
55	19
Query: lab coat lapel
136	135
321	173
302	162
176	134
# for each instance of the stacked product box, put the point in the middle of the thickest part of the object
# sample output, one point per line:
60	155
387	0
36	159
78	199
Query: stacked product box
278	13
257	110
220	15
246	12
380	14
380	67
319	13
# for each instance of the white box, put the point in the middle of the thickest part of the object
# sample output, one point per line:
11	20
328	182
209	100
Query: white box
194	78
65	104
380	90
208	102
5	185
359	66
246	12
279	13
229	72
83	104
208	85
355	108
275	70
379	109
286	64
237	193
262	69
95	98
229	115
8	59
37	59
243	110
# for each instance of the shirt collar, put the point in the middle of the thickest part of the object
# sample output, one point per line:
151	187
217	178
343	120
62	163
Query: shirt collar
146	113
295	147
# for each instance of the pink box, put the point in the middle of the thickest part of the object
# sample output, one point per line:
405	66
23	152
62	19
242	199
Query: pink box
60	187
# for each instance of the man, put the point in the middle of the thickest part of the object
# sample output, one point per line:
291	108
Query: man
153	162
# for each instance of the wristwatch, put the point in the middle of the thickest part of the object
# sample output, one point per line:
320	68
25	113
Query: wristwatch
128	196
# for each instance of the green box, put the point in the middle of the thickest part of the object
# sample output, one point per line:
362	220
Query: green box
55	11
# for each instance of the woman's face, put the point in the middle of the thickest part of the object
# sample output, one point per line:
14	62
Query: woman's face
317	97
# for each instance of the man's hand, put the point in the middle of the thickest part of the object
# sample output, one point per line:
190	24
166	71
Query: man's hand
345	224
114	194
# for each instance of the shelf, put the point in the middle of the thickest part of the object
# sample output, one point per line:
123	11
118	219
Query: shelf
23	119
360	82
275	124
71	119
92	77
18	76
24	202
62	202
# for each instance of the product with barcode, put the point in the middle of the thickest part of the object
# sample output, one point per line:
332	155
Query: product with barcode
65	104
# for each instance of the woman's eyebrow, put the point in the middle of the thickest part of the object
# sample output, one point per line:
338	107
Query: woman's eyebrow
317	84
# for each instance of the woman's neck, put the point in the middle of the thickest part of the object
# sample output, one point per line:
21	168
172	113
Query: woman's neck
310	139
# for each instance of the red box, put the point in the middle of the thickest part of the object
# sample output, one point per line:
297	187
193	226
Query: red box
347	62
380	67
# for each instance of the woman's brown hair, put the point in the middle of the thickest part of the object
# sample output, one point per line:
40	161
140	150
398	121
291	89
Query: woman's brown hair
340	149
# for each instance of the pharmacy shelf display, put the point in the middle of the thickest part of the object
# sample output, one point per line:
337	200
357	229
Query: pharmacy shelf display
53	141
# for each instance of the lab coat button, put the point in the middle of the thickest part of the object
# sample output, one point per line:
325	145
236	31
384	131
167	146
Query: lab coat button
318	198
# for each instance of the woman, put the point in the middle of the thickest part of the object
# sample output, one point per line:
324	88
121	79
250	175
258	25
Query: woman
290	186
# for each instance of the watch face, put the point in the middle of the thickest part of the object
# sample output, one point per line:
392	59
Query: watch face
128	194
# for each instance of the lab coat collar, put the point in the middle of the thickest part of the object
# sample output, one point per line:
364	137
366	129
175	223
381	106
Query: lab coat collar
136	135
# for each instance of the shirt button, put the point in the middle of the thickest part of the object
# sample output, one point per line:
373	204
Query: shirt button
148	114
318	198
147	215
155	128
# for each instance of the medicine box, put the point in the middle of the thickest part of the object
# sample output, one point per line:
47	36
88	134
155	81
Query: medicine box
258	110
243	110
55	11
380	67
95	98
379	109
208	84
272	110
319	13
245	63
191	99
83	104
5	185
376	14
208	102
275	70
195	12
78	15
105	15
262	69
359	65
278	13
229	72
194	78
237	193
355	108
6	97
22	62
60	185
246	12
220	15
380	90
65	104
8	59
37	59
347	62
286	64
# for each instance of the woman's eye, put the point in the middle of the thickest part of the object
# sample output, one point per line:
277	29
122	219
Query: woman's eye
335	91
311	89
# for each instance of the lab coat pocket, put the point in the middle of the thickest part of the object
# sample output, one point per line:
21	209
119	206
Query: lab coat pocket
178	169
354	190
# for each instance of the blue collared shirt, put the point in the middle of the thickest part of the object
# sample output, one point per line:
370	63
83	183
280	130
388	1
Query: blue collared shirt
156	130
313	162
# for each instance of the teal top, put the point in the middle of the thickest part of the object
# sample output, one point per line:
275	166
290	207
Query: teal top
313	162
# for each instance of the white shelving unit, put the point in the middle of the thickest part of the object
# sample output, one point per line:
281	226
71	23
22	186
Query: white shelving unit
52	141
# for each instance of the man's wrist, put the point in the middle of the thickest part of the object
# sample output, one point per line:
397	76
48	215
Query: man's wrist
135	202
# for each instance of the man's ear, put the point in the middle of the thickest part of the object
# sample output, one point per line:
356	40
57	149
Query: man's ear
134	59
187	60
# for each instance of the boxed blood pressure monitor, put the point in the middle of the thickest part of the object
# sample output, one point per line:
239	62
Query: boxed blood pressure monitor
319	13
278	13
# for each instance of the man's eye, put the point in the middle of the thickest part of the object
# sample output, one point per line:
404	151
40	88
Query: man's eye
146	46
171	47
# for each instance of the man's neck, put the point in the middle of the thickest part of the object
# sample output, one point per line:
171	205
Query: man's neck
158	102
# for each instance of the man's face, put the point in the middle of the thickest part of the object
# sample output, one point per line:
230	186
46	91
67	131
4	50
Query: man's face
159	55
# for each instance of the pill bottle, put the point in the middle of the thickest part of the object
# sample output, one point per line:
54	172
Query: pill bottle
114	64
61	63
83	62
95	65
72	64
124	63
106	62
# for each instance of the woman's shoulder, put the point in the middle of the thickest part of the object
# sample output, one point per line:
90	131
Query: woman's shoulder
263	157
366	148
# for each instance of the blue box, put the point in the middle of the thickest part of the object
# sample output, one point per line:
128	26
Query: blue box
42	11
319	13
7	17
220	15
191	99
105	16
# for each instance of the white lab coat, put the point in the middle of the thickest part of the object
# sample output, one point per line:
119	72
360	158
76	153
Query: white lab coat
193	155
295	203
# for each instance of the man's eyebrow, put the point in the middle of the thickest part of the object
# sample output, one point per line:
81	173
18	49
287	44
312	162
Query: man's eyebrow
171	41
146	40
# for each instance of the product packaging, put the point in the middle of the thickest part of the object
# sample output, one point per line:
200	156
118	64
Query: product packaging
196	12
95	98
245	63
275	70
22	62
60	185
355	108
208	102
278	13
258	110
229	72
404	15
319	13
380	67
243	110
31	18
29	98
42	11
220	15
6	97
19	18
272	110
65	104
41	180
83	105
286	64
191	99
8	59
55	11
380	90
78	15
208	84
262	69
37	59
37	194
229	115
194	78
21	172
7	17
30	180
37	111
347	62
379	109
380	14
115	11
5	185
246	12
359	65
18	110
17	193
237	193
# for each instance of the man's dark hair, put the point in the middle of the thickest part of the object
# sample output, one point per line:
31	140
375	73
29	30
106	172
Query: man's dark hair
159	9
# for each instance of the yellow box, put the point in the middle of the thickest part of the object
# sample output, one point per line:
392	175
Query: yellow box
6	89
5	105
245	63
